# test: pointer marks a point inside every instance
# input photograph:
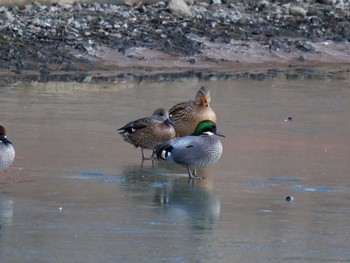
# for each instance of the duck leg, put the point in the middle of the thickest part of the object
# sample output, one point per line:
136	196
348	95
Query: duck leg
146	158
192	174
189	172
143	155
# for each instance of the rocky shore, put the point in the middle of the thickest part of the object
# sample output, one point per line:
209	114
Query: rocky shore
93	41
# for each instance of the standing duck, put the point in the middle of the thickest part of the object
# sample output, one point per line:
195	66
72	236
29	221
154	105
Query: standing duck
149	132
186	115
197	150
7	152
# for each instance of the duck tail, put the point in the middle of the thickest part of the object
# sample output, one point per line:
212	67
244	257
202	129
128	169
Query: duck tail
163	151
121	131
128	128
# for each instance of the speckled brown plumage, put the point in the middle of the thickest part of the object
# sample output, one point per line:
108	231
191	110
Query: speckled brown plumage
149	132
187	115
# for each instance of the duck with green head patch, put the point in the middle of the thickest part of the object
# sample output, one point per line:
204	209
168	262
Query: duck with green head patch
194	151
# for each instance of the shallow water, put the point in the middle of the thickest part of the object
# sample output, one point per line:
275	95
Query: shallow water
77	193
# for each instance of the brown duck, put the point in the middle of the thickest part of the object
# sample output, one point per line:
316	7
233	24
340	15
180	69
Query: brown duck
188	114
149	132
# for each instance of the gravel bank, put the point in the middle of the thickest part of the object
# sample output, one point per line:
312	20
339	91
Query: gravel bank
136	40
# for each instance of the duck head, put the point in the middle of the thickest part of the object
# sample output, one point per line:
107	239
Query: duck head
3	135
203	97
162	115
207	128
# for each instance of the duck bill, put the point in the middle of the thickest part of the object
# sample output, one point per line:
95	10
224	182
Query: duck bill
219	134
205	101
169	122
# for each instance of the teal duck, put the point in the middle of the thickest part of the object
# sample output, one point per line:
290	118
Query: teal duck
7	151
149	132
194	151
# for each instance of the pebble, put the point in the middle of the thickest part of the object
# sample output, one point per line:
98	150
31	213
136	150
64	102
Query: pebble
6	15
297	11
77	6
179	8
263	5
216	2
327	2
305	46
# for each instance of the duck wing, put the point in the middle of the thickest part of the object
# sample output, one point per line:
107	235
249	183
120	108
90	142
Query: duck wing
184	150
133	126
181	108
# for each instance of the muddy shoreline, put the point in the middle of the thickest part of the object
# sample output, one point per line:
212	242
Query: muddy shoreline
214	40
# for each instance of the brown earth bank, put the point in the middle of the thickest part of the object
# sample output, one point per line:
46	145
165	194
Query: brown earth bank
211	39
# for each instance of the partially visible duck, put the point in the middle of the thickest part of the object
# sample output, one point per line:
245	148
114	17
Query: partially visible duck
149	132
7	151
186	115
197	150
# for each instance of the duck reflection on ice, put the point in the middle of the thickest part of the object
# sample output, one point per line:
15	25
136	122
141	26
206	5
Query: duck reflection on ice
182	199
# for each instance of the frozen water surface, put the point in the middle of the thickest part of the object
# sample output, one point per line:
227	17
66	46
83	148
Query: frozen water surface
77	193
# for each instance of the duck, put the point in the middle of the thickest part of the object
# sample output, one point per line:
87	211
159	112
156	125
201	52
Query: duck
7	151
149	132
193	151
188	114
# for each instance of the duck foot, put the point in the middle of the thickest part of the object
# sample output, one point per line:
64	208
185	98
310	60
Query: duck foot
197	177
193	174
147	159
